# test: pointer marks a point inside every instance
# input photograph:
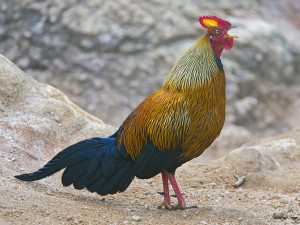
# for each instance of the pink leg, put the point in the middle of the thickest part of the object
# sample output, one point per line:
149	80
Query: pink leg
181	203
176	189
166	186
166	201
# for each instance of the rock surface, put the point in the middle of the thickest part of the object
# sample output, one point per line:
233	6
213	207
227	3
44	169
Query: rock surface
268	164
231	137
2	222
37	120
293	134
107	56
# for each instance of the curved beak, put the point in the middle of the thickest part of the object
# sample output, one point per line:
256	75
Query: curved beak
233	36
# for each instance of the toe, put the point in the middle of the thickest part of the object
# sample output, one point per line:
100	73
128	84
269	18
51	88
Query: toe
183	207
165	204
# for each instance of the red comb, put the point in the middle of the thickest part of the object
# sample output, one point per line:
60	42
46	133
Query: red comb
218	21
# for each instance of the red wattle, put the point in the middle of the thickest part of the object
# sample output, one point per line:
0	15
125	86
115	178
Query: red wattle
227	43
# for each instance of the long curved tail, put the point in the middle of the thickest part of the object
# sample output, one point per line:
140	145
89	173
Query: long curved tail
95	164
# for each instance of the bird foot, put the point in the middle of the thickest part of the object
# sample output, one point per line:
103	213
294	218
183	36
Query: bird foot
183	207
175	206
166	205
166	176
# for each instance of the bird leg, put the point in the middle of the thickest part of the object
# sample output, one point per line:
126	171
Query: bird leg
181	203
166	201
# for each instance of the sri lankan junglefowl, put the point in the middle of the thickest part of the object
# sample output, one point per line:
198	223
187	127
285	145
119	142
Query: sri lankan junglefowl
169	128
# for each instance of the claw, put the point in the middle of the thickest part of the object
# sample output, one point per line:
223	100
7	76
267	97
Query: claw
165	204
179	206
163	193
175	206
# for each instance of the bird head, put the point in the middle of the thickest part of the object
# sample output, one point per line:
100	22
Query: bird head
217	33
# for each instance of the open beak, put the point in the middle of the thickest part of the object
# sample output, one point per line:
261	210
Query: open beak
231	36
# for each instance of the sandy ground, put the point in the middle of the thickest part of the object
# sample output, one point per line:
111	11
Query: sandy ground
208	185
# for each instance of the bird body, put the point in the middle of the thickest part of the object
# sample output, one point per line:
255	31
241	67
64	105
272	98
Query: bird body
170	127
188	112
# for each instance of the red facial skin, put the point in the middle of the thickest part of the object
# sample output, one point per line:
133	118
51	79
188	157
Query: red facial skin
220	40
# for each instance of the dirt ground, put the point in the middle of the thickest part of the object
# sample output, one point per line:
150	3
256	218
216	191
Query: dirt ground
208	185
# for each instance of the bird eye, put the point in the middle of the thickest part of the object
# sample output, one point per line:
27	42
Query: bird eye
217	31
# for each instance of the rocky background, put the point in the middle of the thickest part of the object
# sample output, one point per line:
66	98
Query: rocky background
107	56
37	121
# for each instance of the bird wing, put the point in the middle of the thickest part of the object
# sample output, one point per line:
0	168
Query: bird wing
161	118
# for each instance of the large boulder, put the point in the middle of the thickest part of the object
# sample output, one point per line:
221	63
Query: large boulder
37	120
273	164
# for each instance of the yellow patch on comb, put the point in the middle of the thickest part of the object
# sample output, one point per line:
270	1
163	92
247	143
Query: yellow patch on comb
213	21
210	22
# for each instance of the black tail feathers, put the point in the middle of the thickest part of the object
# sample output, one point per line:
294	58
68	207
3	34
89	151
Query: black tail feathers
96	164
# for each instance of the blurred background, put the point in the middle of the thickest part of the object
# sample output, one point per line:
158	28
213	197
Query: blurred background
107	56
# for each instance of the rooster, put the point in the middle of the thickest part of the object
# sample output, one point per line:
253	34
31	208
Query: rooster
169	128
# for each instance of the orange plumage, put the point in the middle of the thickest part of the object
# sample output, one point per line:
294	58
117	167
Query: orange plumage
170	127
189	111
